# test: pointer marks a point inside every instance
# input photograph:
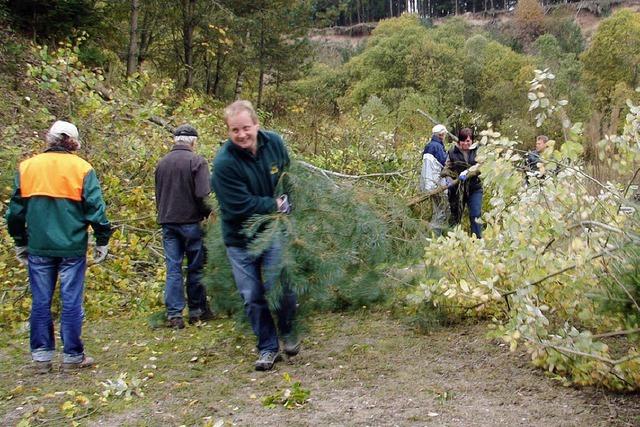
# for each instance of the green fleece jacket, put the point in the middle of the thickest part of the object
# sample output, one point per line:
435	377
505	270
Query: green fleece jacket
245	184
56	197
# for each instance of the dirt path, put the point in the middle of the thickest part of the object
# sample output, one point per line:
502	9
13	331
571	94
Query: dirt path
375	372
361	369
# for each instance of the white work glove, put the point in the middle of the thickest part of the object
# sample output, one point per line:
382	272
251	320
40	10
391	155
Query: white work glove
463	175
22	255
283	204
100	253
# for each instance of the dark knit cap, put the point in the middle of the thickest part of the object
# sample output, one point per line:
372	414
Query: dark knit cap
185	130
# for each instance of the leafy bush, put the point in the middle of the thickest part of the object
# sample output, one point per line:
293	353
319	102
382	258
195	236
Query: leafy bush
613	55
543	253
529	18
567	32
621	291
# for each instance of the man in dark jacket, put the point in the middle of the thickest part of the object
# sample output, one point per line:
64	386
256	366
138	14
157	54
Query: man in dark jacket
533	160
245	173
182	186
56	197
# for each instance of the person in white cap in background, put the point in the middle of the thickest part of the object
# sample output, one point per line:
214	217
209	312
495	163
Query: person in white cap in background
56	197
434	157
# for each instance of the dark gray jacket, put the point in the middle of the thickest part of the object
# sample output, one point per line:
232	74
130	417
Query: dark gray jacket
182	186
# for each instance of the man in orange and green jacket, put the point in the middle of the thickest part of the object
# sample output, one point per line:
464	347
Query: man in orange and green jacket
56	198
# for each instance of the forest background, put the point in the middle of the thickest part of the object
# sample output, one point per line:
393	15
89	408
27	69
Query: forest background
557	271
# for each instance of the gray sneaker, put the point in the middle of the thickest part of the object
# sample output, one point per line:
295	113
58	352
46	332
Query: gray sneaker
267	359
86	362
292	345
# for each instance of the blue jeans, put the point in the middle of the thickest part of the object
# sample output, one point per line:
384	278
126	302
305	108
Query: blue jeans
254	277
180	240
473	201
43	274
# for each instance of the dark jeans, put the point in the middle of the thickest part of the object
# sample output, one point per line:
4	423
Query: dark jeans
43	274
473	200
254	276
180	240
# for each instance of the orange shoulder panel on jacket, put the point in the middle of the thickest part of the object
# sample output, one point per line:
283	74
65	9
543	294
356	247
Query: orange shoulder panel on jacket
53	174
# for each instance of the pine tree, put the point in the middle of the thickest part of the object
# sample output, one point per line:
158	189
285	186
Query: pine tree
340	241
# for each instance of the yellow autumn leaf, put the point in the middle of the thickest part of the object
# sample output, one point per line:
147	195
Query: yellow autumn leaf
67	406
82	400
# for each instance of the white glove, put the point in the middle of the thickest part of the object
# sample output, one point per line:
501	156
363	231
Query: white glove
463	175
100	254
283	204
22	255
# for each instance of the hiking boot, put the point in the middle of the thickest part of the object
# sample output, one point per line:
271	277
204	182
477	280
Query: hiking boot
206	315
175	323
292	345
39	367
86	362
267	359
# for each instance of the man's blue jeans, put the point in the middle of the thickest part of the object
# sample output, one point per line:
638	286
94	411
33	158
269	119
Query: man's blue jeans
180	240
43	274
254	277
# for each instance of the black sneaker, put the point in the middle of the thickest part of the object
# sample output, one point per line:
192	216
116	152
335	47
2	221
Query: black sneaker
205	316
175	323
292	346
266	360
41	367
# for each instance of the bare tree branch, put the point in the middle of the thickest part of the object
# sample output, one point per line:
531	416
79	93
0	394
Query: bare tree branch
606	360
344	175
617	333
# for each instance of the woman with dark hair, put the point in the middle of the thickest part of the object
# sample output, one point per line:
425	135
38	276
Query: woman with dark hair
468	189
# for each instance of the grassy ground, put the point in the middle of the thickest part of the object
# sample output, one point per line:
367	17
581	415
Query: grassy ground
359	369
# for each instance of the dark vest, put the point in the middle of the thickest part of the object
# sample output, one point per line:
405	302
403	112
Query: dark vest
459	164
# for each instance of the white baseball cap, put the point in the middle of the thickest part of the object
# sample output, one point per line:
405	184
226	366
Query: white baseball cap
438	129
61	127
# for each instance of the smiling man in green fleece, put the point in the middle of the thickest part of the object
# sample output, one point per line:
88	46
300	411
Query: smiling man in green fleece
245	173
